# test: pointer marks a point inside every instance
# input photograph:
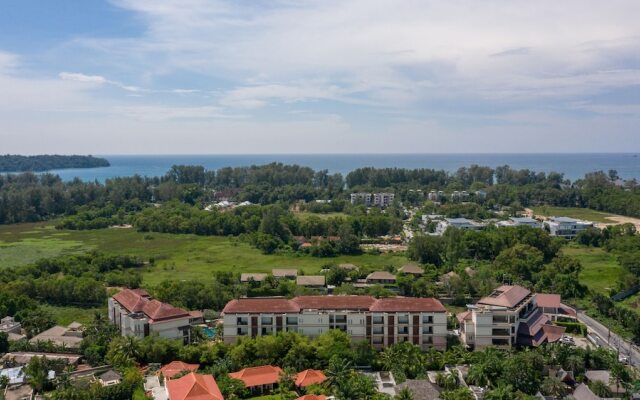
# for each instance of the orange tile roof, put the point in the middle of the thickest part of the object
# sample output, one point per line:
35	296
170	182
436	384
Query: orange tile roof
194	387
463	316
309	377
408	304
312	397
257	376
138	300
175	367
257	305
334	302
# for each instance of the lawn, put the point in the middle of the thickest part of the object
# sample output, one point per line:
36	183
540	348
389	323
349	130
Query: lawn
600	270
66	315
176	256
306	214
573	212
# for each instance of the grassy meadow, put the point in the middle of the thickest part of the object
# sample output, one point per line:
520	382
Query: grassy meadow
176	256
573	212
600	270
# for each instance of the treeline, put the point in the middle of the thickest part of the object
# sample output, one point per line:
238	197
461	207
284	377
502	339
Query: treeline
18	163
269	227
72	280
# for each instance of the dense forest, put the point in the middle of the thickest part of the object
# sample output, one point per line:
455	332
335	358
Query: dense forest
18	163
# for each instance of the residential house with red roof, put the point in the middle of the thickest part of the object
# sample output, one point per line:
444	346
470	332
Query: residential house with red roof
261	379
193	387
137	314
381	322
176	367
309	377
508	317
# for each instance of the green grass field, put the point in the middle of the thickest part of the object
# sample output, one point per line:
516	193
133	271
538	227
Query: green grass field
306	214
573	212
176	256
600	270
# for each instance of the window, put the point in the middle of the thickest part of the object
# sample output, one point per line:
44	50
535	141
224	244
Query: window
403	319
403	330
427	319
242	321
378	319
427	330
242	331
266	330
377	340
266	320
378	330
500	319
292	320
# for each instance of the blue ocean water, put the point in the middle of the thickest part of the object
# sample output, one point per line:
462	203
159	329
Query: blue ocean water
574	166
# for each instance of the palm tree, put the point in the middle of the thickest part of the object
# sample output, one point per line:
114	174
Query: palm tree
553	386
404	394
337	370
500	393
600	389
388	359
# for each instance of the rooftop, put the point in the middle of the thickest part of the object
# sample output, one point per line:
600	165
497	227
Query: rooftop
342	302
548	300
381	275
284	272
309	377
310	280
194	387
175	367
138	300
257	277
506	296
411	269
257	376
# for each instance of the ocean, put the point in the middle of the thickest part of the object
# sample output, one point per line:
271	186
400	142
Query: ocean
574	166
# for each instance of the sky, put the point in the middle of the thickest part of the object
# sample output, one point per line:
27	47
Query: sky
285	76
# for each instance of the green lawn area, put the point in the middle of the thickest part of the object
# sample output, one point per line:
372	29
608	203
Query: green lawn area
573	212
176	256
66	315
306	214
600	270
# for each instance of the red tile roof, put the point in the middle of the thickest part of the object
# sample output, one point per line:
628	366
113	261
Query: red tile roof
175	367
334	302
506	296
194	387
138	300
408	304
548	300
309	377
257	376
464	316
261	305
312	397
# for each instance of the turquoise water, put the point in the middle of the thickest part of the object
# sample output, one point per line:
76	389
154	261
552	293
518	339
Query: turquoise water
574	166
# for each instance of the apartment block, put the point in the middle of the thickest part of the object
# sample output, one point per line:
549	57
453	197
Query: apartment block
137	314
381	322
373	199
508	317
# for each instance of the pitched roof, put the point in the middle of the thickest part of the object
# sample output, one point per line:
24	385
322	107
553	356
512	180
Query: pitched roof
284	272
258	277
411	269
463	316
257	376
309	377
312	397
348	266
194	387
422	389
583	392
341	302
408	304
506	296
381	275
175	367
110	375
257	305
334	302
138	300
548	300
310	280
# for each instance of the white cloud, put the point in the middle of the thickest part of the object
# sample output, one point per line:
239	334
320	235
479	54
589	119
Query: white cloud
76	77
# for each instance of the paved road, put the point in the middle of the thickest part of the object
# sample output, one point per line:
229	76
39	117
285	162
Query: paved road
615	342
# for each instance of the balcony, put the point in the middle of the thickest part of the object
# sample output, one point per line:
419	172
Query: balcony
242	321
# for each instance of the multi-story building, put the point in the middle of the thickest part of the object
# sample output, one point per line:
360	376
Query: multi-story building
373	199
508	317
519	221
381	322
566	227
139	315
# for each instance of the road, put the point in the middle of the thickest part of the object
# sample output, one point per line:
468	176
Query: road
615	342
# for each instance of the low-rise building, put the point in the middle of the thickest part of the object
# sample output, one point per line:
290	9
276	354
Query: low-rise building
193	387
382	199
381	278
566	227
252	277
175	368
521	221
10	325
137	314
309	377
284	273
412	269
261	379
459	223
508	317
381	322
311	281
68	336
110	378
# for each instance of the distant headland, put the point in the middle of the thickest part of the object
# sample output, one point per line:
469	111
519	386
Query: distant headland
38	163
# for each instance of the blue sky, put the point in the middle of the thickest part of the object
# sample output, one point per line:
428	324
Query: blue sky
208	76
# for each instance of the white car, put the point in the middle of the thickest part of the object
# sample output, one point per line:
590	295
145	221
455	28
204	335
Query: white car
623	359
